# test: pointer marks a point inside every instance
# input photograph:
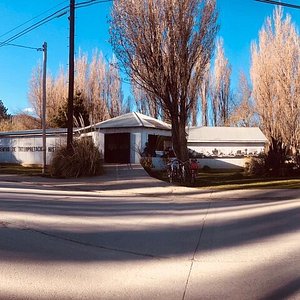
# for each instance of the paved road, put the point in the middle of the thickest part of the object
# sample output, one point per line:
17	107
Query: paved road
126	236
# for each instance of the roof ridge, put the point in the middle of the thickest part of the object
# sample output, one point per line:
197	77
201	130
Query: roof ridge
138	118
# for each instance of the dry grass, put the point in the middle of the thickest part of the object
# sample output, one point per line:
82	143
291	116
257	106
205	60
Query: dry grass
85	160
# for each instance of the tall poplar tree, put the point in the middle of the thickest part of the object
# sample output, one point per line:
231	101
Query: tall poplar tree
164	46
275	74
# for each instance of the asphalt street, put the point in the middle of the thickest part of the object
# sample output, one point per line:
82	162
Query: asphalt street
125	235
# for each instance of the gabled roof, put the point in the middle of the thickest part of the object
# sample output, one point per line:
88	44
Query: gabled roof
225	134
133	119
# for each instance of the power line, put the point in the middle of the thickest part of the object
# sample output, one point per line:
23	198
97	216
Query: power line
41	14
279	3
47	19
91	2
22	46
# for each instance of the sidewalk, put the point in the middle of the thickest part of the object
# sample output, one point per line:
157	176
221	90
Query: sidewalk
116	180
134	180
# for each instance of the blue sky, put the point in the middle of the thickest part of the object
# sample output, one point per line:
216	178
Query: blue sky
240	22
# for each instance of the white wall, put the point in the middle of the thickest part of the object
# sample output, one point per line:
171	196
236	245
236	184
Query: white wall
135	147
28	149
24	149
159	164
227	149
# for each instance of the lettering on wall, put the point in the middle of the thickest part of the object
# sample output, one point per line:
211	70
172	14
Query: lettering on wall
5	149
25	149
30	149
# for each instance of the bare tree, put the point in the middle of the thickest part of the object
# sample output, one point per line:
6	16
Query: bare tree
243	114
81	73
144	102
220	88
114	97
193	91
35	90
96	89
57	93
275	74
97	83
204	96
164	46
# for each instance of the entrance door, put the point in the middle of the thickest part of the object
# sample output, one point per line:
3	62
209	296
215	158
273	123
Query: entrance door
117	148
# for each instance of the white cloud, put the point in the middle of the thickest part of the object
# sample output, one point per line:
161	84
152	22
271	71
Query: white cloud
28	110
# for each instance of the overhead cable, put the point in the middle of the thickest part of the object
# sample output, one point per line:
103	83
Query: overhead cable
279	3
47	19
39	15
91	2
22	46
59	13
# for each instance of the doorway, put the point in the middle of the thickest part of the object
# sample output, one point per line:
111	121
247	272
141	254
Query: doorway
117	148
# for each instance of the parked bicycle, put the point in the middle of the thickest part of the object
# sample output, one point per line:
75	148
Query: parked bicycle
173	169
194	170
182	172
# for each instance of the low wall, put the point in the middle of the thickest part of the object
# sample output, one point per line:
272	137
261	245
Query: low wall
159	164
28	150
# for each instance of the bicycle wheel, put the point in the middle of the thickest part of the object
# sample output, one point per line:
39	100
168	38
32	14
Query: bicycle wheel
183	175
193	177
170	177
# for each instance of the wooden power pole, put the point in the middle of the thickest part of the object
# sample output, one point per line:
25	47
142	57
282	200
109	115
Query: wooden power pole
71	77
44	106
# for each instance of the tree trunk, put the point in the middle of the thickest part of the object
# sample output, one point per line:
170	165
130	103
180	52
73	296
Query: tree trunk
179	140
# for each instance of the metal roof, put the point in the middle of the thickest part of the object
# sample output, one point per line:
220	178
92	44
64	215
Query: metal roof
133	119
225	134
33	132
128	120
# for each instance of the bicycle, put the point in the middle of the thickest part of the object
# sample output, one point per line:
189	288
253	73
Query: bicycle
181	171
194	170
184	169
173	169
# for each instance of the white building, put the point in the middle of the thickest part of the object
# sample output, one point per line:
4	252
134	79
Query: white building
226	141
122	139
26	147
226	147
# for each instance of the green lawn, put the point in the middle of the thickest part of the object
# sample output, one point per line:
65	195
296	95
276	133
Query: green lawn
237	180
20	170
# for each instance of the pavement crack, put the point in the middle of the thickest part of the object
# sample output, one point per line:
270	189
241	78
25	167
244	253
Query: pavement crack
87	244
25	228
196	248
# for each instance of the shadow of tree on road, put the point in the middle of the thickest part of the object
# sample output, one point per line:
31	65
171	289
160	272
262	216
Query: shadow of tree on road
131	229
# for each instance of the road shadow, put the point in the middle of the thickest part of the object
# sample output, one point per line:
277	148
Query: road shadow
161	236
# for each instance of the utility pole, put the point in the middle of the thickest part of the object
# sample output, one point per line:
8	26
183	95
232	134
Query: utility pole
44	106
71	78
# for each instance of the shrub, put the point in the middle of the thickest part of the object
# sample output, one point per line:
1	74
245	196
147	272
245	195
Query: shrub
85	160
292	165
256	166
